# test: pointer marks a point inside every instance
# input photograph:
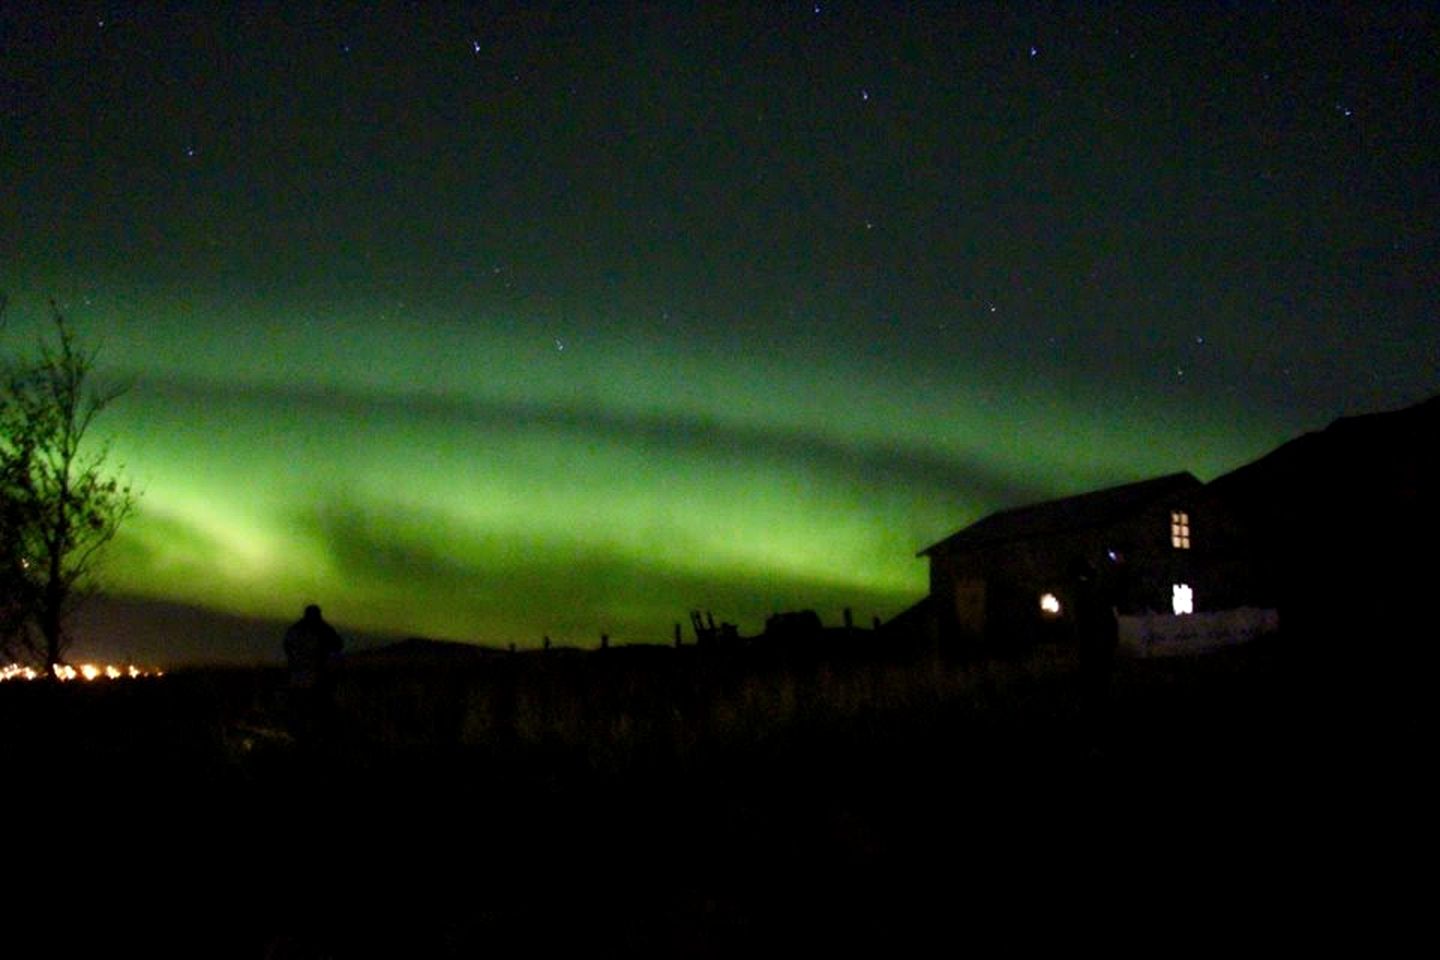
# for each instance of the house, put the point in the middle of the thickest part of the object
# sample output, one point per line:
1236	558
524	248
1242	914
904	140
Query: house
1154	550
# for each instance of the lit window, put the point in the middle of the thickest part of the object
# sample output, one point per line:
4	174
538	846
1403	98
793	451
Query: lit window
1179	530
1182	599
1050	604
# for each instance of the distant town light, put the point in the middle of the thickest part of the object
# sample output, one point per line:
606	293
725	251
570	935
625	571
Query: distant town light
85	671
1182	599
1050	604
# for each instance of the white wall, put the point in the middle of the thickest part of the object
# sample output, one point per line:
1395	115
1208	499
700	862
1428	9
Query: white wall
1165	634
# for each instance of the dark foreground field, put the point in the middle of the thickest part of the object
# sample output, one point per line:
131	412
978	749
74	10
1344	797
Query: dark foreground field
653	802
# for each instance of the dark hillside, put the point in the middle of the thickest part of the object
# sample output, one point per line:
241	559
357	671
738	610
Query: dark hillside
1347	521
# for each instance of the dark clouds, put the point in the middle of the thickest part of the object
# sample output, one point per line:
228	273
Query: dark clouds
877	467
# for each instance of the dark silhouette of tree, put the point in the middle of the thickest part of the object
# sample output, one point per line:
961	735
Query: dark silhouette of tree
59	503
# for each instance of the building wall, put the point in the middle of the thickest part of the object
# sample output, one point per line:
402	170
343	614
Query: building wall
992	591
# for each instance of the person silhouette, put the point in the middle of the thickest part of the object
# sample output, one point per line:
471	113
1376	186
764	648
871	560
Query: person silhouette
312	653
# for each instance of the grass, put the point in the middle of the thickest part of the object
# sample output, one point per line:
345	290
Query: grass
667	802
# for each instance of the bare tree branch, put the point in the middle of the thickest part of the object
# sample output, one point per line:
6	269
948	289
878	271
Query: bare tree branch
59	505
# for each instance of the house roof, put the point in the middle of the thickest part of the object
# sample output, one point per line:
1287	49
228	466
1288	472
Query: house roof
1093	509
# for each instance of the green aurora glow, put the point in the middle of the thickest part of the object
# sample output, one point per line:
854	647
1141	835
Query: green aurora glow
504	322
478	486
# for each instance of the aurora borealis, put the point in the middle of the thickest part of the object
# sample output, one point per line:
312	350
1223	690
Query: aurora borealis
494	322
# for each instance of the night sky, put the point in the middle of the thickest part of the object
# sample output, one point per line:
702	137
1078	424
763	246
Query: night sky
489	322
